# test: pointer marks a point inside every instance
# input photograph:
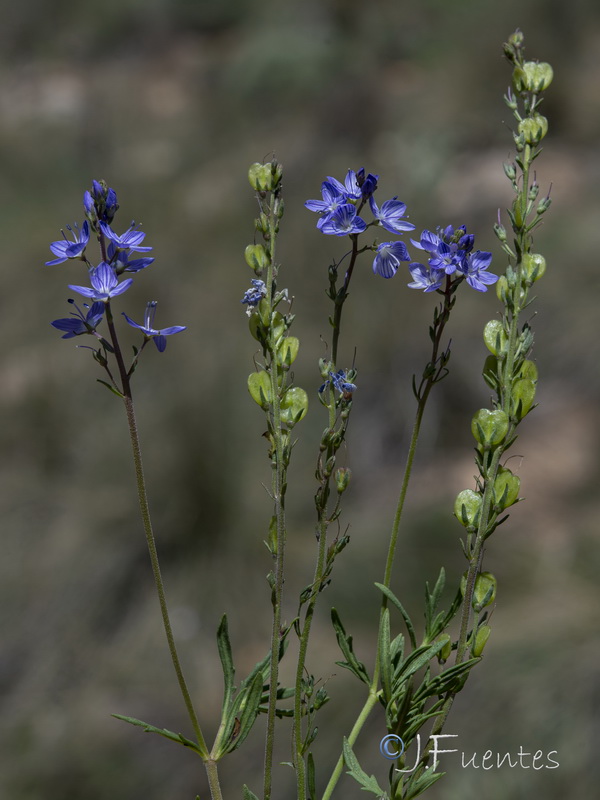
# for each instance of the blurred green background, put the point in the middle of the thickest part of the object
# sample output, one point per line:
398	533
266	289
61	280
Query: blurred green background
170	101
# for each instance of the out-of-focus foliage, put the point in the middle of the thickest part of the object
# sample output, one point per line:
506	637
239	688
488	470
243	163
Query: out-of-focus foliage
170	102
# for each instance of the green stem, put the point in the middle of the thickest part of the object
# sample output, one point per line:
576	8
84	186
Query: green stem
213	779
278	483
150	541
298	743
370	703
323	525
340	299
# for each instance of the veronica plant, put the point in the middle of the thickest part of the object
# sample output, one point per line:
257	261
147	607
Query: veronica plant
414	675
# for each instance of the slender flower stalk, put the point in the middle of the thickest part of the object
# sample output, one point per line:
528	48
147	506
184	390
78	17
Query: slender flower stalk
278	489
284	406
100	206
434	372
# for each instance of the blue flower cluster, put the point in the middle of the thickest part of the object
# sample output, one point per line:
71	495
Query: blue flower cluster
340	209
100	208
340	381
450	250
451	253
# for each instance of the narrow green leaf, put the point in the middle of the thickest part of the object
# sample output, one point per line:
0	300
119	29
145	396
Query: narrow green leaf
369	784
226	656
248	795
385	661
438	588
345	643
175	737
250	710
420	784
112	388
442	683
407	620
310	777
418	659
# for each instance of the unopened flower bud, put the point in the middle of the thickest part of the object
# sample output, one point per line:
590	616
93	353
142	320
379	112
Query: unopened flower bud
543	205
444	654
342	479
510	171
516	38
500	231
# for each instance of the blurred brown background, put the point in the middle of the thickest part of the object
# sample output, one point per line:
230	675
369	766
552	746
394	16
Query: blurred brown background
170	102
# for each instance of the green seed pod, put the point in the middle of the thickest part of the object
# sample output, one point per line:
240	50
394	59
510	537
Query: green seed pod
495	338
523	397
532	76
467	508
342	479
259	386
294	405
483	634
288	350
506	489
278	326
533	129
256	257
444	654
528	370
484	593
533	266
489	427
502	289
260	177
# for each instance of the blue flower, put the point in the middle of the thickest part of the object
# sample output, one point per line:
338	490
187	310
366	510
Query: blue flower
252	297
388	258
150	332
131	240
450	253
390	215
119	260
104	284
448	249
351	187
65	249
343	222
79	323
426	278
332	199
340	382
476	273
